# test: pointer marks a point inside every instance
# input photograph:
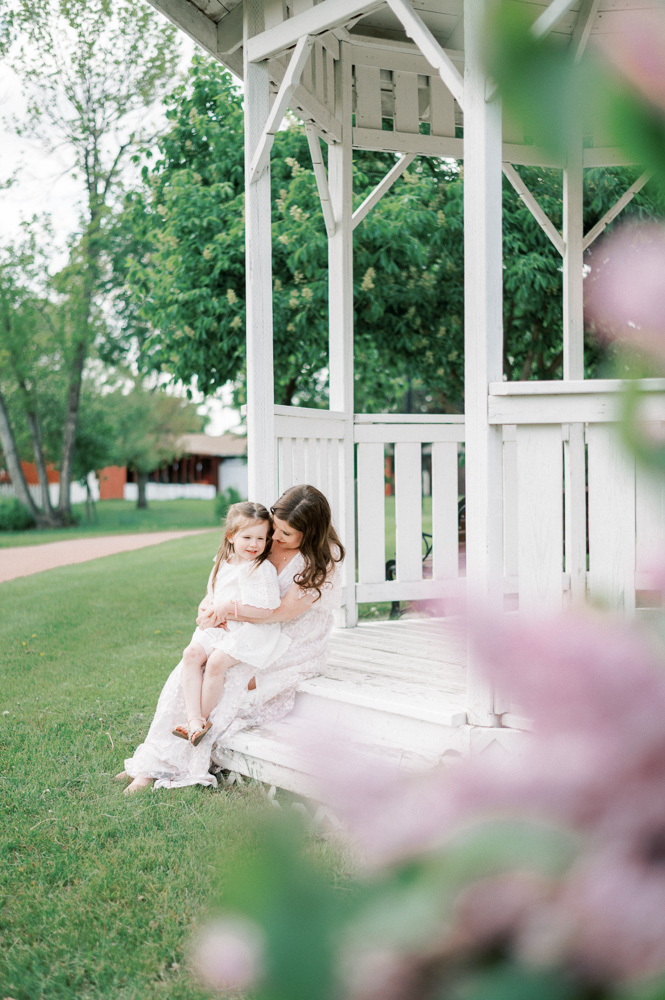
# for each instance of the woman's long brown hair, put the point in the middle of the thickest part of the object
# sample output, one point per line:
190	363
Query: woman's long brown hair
237	516
306	510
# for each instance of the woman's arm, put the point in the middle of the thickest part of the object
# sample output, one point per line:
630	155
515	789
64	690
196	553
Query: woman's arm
294	604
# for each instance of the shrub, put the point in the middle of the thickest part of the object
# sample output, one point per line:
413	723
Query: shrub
225	500
14	516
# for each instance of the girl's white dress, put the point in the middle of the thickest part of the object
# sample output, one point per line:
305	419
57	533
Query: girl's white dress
246	583
174	762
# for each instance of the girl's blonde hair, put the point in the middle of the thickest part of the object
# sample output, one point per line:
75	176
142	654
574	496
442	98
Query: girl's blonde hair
237	516
306	509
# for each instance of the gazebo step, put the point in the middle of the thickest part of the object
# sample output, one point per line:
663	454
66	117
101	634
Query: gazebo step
277	754
395	689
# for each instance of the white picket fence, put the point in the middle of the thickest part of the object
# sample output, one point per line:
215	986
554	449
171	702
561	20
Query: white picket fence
579	518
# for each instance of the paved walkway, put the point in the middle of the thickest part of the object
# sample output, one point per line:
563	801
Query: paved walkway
28	559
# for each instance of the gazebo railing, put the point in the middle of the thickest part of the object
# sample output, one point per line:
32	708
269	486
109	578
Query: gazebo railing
577	508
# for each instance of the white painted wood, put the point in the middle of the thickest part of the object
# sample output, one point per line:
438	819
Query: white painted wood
306	106
445	529
262	470
306	427
409	432
575	511
321	178
536	210
285	459
396	56
551	17
413	418
540	500
368	96
381	188
573	266
649	515
340	298
442	108
619	206
313	21
550	387
603	156
371	513
611	520
319	62
229	32
510	504
416	29
407	118
560	408
408	511
191	20
410	590
288	85
299	462
583	25
274	12
483	324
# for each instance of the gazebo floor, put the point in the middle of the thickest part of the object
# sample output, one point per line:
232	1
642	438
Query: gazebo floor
395	689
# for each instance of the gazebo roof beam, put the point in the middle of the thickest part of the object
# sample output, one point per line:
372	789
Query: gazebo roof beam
287	87
618	206
541	217
324	16
191	20
583	25
382	187
321	178
416	29
551	16
229	32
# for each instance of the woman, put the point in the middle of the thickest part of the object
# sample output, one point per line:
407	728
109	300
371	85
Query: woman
305	552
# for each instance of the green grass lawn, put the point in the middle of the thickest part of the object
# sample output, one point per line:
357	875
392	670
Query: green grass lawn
101	892
123	517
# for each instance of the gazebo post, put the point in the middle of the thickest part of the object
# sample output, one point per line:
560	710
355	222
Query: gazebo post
340	296
262	470
483	323
573	364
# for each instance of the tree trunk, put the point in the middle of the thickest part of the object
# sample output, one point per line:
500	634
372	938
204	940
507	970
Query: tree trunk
141	480
69	432
16	472
36	436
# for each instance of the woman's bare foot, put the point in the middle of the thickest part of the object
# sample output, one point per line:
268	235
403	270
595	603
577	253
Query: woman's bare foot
137	784
123	776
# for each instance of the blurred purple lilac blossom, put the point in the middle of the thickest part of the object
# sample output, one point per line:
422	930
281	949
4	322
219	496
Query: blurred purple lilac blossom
625	299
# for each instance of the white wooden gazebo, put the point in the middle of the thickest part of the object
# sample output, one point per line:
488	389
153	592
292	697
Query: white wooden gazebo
554	509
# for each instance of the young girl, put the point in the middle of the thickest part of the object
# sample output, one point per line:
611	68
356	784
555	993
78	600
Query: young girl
242	582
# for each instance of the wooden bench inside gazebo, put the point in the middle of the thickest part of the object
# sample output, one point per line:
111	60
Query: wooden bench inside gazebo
554	509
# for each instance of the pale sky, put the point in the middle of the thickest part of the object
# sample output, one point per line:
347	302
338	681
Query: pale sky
43	185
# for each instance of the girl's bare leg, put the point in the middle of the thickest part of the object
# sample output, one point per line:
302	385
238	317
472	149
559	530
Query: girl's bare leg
213	679
193	660
137	784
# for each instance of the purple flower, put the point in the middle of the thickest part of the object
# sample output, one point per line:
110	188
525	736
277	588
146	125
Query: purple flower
228	955
625	292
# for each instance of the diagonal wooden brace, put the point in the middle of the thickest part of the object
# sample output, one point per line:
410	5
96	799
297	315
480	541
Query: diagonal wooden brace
617	207
384	185
321	178
291	80
416	29
541	217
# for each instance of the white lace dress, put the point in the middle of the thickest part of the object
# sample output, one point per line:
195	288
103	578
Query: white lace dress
255	585
174	762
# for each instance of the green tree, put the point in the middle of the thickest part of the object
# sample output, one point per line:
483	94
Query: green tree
91	72
146	425
187	270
